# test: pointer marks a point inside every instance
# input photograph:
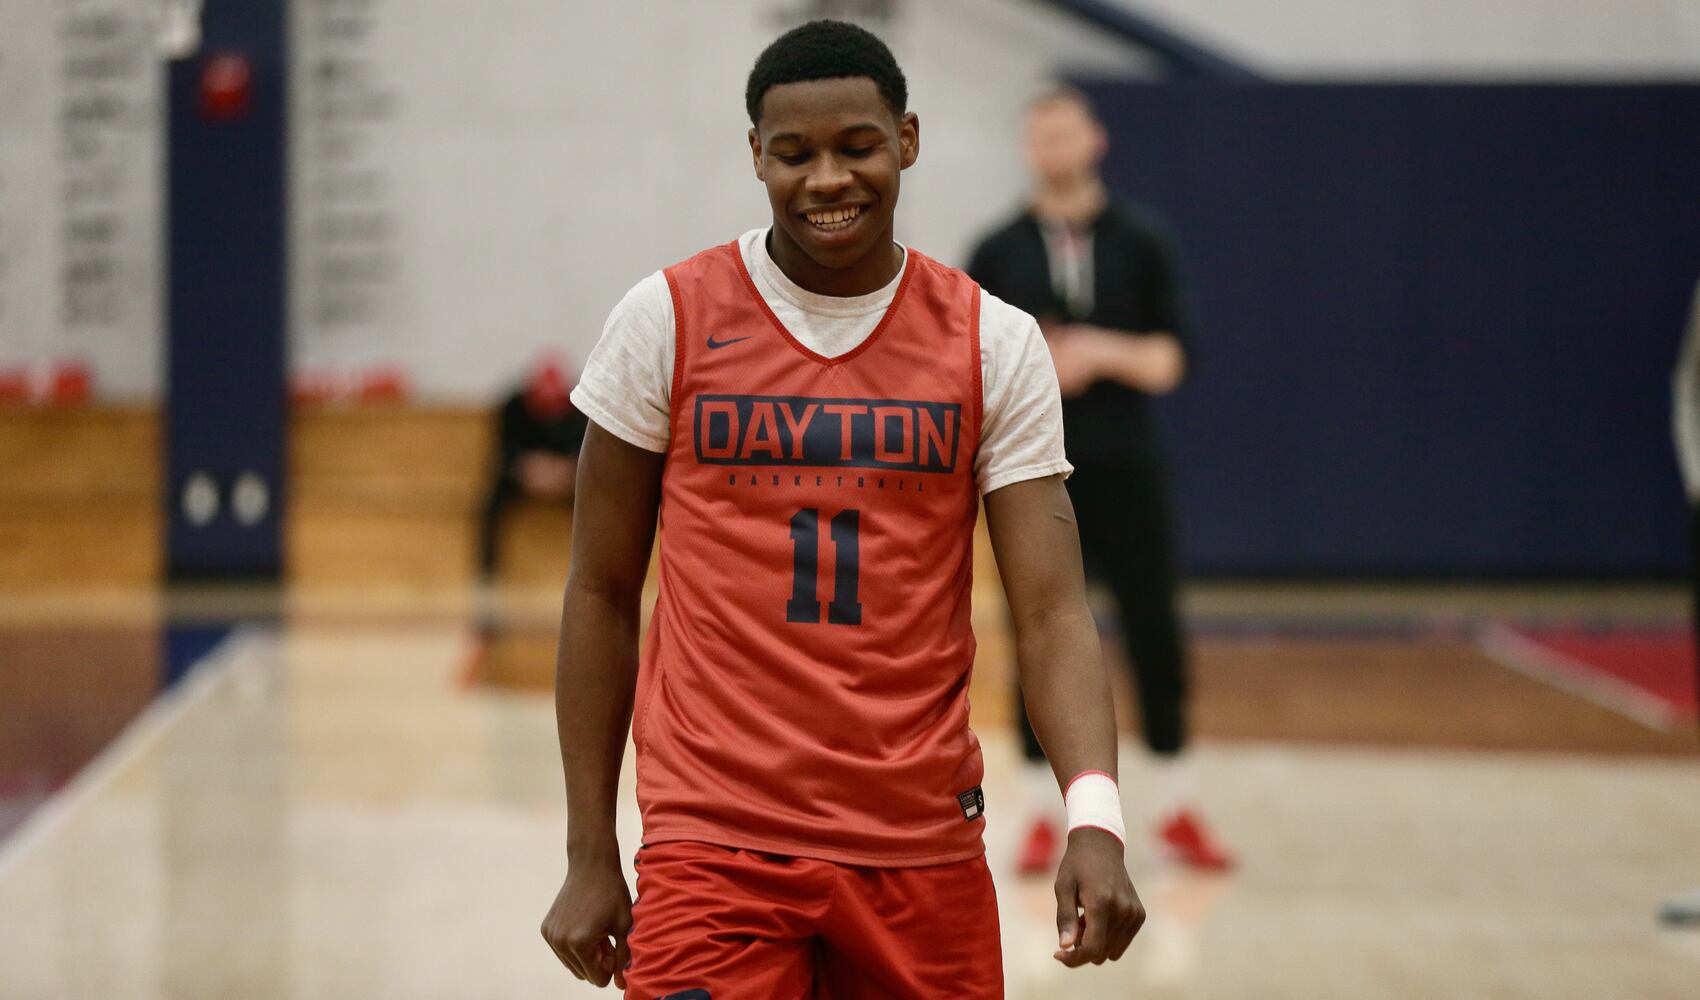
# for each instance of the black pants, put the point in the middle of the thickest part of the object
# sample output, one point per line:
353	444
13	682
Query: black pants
504	490
1127	540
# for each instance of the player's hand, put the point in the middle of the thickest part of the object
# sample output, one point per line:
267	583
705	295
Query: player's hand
1098	911
589	921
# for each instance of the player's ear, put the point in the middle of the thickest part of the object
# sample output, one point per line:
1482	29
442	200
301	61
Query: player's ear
908	139
755	153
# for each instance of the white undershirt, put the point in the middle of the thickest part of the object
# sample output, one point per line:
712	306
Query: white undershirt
1069	252
628	379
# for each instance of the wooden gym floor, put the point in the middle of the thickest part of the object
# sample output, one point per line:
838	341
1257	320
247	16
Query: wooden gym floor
349	794
343	800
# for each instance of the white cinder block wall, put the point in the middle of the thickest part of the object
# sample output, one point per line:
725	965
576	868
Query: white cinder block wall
81	142
1448	39
474	183
537	160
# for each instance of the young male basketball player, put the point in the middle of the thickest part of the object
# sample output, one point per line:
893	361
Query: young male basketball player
815	411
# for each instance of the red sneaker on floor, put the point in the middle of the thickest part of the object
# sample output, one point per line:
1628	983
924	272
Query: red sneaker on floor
1185	838
1039	852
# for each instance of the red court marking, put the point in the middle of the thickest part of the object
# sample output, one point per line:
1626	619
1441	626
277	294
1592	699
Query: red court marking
1648	676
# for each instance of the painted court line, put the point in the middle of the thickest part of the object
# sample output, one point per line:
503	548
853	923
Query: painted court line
136	738
1517	652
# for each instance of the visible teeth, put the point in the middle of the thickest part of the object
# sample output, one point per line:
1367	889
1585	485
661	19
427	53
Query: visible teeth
835	219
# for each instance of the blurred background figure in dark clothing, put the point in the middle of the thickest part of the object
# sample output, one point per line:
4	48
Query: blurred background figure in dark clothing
537	455
1685	422
1099	275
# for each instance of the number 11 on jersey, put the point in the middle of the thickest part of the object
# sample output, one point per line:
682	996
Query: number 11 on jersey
804	605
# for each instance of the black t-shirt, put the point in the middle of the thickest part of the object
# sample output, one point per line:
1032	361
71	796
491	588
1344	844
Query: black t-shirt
1134	288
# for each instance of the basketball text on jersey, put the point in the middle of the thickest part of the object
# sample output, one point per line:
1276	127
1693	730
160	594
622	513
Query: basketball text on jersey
895	434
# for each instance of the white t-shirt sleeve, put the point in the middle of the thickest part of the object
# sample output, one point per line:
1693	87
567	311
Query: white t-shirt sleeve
627	384
1022	435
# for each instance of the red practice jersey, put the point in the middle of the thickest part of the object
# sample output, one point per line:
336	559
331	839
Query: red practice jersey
804	687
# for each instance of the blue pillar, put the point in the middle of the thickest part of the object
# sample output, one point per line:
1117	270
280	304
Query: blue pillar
226	403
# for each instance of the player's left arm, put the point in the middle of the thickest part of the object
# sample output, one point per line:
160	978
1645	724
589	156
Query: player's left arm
1067	693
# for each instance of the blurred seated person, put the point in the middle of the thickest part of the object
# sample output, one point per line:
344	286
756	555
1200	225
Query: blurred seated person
540	434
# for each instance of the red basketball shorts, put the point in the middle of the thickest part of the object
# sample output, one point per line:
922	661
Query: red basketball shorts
714	923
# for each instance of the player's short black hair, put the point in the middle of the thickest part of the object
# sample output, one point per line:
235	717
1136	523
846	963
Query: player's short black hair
826	50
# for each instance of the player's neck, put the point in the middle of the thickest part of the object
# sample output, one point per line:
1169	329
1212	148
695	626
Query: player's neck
1074	201
870	274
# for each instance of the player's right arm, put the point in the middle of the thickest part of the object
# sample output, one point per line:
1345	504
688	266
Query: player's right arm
618	493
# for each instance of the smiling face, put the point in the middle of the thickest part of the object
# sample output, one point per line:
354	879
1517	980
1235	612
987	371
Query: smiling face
830	153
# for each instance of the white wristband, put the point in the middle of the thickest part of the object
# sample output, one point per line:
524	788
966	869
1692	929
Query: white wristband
1092	799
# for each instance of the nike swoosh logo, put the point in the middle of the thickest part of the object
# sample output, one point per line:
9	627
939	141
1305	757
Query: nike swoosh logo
715	344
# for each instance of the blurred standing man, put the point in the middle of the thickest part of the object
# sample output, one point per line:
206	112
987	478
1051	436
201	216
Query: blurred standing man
1685	420
1100	277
